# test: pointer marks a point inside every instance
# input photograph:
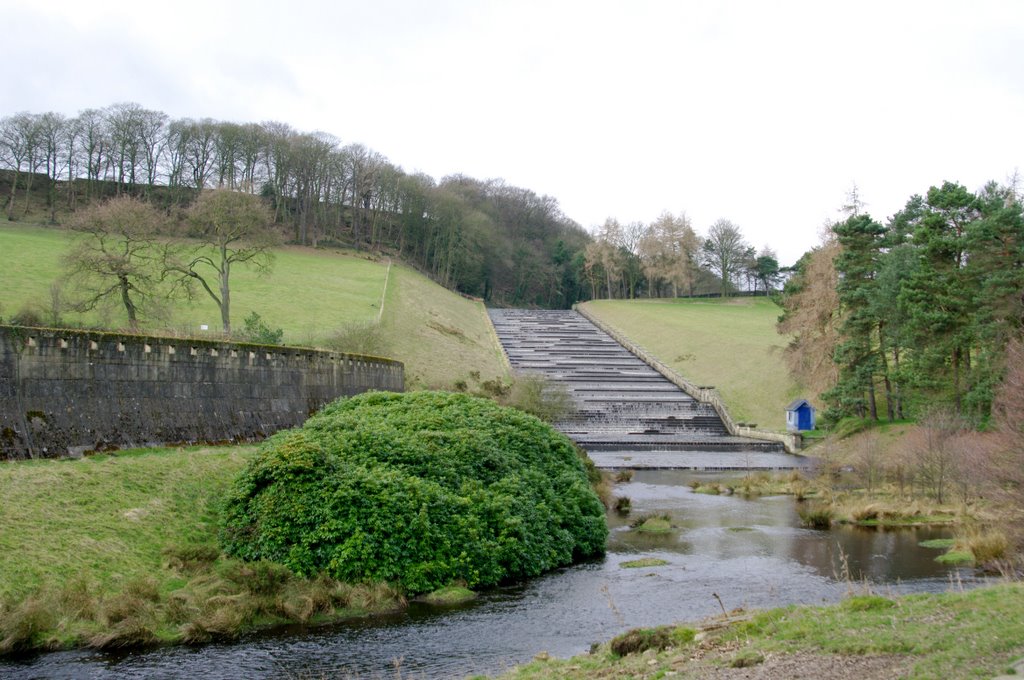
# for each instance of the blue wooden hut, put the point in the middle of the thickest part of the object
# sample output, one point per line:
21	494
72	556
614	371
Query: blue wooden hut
799	416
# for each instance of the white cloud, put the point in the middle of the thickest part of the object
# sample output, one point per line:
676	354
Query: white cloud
764	113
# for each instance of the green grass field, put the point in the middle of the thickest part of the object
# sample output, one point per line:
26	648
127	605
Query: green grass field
310	294
731	344
108	517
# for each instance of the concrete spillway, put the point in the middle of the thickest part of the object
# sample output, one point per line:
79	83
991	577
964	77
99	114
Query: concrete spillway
626	413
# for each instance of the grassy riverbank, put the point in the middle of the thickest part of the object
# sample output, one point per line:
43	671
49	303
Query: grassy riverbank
976	634
120	550
317	297
731	344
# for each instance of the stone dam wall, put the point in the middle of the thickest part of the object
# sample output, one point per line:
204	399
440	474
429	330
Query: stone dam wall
64	393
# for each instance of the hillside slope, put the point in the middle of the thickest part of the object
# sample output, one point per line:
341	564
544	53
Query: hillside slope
311	294
442	337
731	344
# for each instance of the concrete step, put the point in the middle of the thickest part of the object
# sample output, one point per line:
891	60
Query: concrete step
622	404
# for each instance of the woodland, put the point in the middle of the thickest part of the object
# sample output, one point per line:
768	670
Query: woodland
901	319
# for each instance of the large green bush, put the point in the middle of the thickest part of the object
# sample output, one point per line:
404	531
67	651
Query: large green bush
420	489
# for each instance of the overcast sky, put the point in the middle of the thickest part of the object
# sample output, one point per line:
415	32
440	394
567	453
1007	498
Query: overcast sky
764	113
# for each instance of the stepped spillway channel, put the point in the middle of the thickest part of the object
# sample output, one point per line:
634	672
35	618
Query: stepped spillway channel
626	413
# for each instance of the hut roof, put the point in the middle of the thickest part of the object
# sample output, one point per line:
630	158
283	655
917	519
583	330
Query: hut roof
797	403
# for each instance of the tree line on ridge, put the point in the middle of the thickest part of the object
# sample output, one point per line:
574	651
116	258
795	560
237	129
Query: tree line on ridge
485	238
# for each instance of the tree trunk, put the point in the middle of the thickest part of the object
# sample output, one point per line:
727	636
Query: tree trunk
28	191
10	201
885	372
225	293
129	306
896	386
889	407
51	197
956	380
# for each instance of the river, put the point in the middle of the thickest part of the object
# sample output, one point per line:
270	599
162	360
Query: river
726	552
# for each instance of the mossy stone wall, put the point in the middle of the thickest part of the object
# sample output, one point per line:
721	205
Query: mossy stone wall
63	393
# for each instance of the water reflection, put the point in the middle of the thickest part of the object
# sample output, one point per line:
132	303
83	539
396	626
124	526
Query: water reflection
750	553
733	527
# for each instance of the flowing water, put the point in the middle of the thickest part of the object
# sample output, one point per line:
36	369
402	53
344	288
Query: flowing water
745	553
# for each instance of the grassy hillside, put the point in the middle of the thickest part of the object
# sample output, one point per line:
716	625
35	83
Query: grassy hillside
311	295
440	343
731	344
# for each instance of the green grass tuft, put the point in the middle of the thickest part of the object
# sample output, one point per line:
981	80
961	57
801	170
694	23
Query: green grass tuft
815	515
956	557
640	640
645	562
449	595
864	603
652	524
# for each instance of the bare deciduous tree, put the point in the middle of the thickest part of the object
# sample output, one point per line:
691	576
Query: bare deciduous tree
725	251
19	150
935	450
117	259
1006	464
229	228
868	459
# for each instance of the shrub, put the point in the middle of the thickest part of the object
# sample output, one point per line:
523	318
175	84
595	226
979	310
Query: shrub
867	513
538	396
256	330
421	489
496	388
359	338
27	316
